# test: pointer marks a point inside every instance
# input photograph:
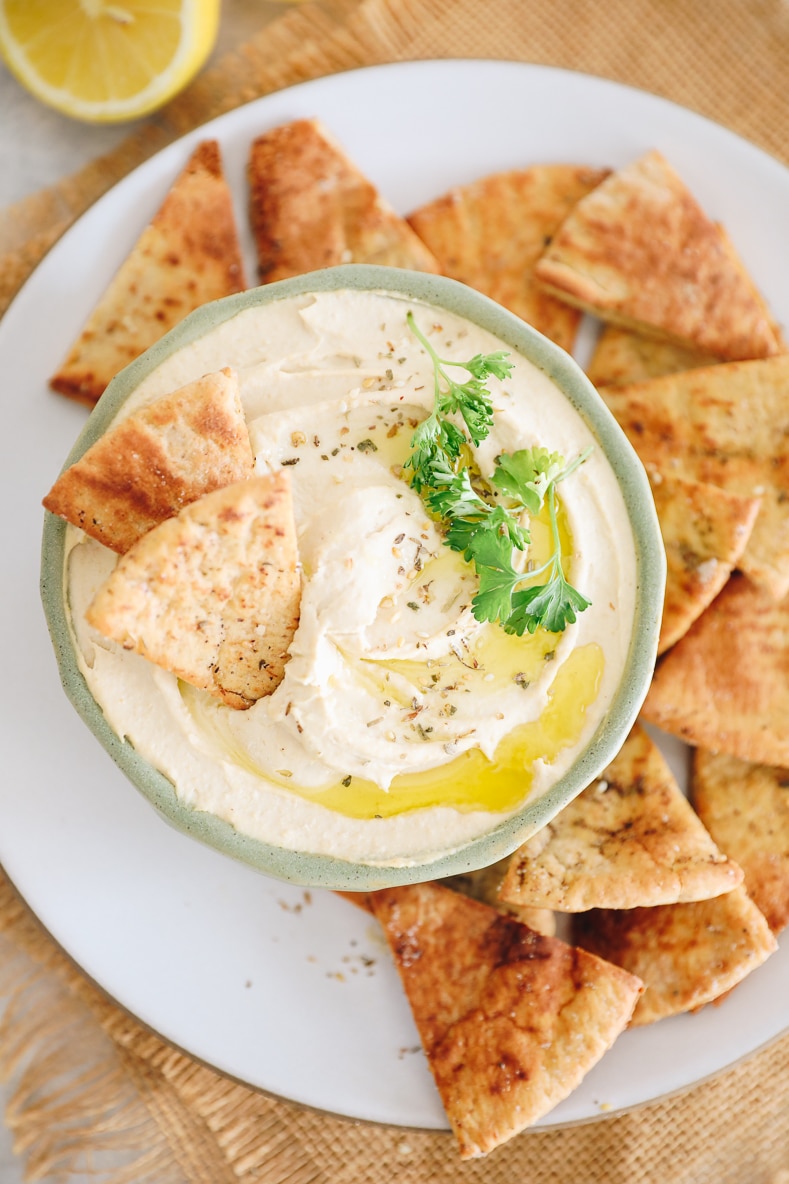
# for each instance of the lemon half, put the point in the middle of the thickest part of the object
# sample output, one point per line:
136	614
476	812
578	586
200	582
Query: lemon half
104	61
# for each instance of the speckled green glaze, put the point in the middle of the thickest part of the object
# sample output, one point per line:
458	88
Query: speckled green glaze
326	871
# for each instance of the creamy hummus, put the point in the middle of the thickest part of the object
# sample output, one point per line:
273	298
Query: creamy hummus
403	727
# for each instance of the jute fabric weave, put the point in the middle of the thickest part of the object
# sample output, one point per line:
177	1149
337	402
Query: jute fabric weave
95	1091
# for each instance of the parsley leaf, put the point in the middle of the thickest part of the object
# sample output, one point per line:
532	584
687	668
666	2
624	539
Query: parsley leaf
491	553
437	444
453	495
483	365
553	605
525	475
472	400
462	531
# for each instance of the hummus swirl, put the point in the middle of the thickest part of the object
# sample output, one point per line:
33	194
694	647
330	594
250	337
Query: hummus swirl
391	684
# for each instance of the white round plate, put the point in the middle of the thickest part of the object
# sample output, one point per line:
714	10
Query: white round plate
288	991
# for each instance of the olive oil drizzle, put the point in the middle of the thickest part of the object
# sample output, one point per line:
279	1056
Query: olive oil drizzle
472	781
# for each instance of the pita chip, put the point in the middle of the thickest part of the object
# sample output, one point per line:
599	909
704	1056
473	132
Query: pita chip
311	208
510	1020
484	885
212	595
360	899
725	684
686	954
727	425
157	460
745	807
705	530
639	251
629	839
187	256
622	356
490	234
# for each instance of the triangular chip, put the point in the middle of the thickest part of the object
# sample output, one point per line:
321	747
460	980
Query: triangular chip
360	899
212	595
510	1021
725	685
686	954
490	234
630	839
727	425
149	466
745	807
640	251
310	208
705	530
623	356
484	885
188	255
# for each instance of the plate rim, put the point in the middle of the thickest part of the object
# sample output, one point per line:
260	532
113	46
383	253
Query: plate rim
727	135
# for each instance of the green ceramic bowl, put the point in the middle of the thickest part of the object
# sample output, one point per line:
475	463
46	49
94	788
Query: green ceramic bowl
505	835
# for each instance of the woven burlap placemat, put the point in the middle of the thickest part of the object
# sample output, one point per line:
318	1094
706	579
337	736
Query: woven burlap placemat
92	1089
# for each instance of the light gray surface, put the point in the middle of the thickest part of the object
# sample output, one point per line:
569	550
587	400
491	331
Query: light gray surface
38	146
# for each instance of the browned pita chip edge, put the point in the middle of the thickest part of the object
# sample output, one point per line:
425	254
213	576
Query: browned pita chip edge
311	208
147	467
639	251
510	1020
188	255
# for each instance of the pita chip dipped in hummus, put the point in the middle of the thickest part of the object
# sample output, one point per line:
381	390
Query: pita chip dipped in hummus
156	461
212	595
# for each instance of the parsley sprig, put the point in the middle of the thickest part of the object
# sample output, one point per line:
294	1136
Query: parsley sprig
486	533
438	441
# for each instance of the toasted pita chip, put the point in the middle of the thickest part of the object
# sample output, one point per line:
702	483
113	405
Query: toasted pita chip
485	885
623	356
360	899
213	594
482	885
727	425
490	234
639	251
188	255
725	685
686	954
510	1021
745	807
629	839
310	208
705	531
156	461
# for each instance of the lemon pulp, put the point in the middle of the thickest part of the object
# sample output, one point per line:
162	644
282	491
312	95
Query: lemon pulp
106	61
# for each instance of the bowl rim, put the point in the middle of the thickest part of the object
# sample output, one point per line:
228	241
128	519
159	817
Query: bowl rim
331	871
